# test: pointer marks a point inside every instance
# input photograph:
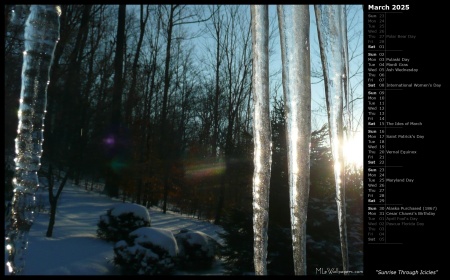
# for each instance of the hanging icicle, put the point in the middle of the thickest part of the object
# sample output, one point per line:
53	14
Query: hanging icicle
261	135
295	53
331	29
41	35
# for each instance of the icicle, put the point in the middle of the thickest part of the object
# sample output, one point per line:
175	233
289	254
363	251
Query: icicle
295	52
262	135
330	19
41	35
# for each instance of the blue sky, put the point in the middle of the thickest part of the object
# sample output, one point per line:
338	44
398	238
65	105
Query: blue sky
318	116
355	20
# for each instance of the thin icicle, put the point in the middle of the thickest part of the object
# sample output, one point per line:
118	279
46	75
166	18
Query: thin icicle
333	48
295	52
41	35
261	135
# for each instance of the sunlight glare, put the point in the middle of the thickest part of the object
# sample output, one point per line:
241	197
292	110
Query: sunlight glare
354	150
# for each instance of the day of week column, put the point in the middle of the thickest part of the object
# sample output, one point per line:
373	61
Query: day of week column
375	223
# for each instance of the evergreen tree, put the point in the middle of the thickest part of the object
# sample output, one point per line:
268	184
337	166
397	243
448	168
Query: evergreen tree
237	252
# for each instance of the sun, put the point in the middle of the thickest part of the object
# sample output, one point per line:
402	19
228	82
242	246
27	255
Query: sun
354	150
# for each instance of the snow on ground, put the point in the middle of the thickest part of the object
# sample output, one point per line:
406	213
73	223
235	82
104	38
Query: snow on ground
75	249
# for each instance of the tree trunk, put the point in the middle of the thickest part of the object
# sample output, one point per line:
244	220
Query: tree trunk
164	151
217	26
53	199
132	94
113	176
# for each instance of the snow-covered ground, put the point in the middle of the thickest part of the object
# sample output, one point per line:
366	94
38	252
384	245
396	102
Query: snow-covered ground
75	249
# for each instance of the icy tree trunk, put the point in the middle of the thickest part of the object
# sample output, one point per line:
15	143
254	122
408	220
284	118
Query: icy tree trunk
294	34
331	28
41	36
261	135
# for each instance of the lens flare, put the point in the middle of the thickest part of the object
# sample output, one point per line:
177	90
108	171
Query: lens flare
354	150
205	169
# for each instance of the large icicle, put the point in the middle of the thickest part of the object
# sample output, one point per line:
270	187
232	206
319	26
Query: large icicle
41	35
294	34
261	135
333	49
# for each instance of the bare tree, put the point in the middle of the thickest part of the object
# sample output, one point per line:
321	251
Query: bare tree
237	85
111	184
131	99
53	198
174	15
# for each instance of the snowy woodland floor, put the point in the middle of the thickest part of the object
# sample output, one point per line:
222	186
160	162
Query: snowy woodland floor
75	249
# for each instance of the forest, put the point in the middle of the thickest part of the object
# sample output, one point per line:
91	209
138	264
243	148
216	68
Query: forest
155	102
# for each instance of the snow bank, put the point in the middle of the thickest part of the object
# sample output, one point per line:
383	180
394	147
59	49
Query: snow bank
138	210
156	236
